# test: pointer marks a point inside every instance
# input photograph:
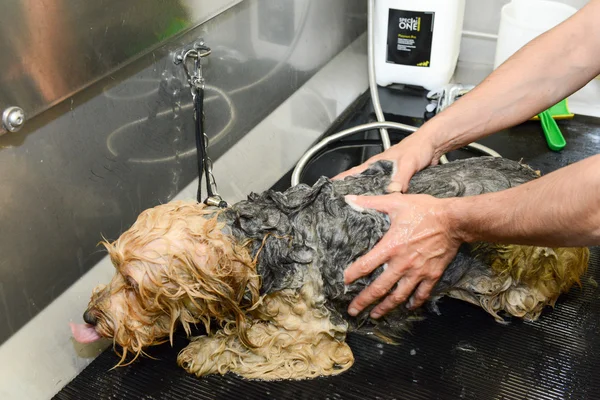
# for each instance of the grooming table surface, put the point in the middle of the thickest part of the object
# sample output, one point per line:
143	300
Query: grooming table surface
462	353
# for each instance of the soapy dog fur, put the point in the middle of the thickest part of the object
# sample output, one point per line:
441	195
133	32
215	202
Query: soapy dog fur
265	276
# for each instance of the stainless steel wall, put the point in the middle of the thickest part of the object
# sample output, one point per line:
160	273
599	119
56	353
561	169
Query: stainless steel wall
49	49
88	166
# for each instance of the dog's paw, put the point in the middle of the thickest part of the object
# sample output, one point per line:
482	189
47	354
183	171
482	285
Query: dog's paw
201	357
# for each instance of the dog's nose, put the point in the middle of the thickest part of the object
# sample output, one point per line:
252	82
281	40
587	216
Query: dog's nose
90	318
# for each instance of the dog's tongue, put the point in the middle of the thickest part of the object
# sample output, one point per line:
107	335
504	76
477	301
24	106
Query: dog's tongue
84	333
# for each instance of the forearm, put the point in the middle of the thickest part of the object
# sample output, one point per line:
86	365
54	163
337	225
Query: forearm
560	209
547	70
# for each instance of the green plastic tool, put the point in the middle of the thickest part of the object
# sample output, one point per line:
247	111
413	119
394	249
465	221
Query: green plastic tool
559	111
554	137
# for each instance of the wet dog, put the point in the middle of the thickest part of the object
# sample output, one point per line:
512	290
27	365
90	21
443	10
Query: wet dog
265	276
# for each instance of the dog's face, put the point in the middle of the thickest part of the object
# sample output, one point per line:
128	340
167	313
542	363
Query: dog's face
174	267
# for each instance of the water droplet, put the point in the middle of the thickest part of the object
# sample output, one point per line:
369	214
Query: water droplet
467	347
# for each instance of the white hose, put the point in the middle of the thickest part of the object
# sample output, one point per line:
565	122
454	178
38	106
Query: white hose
385	137
296	175
330	139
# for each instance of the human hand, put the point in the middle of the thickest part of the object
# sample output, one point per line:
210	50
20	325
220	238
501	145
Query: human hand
411	155
417	249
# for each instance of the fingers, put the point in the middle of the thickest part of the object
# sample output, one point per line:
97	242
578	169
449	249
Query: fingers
420	286
376	290
369	262
379	203
421	294
406	285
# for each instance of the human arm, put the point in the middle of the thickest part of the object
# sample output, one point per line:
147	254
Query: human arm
542	73
561	209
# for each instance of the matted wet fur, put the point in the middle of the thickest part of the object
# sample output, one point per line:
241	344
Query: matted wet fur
265	276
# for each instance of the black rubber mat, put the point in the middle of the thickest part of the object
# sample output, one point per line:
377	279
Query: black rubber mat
461	354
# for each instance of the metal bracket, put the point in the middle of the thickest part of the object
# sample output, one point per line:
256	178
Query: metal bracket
199	46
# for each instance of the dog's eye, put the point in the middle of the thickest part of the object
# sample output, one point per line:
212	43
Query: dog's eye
131	282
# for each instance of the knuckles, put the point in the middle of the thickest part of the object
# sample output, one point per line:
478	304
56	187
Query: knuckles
398	298
364	268
378	291
420	297
435	275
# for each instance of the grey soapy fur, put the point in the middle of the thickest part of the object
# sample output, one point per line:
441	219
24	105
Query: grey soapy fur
313	227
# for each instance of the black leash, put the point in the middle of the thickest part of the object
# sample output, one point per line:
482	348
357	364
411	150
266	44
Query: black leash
196	81
200	142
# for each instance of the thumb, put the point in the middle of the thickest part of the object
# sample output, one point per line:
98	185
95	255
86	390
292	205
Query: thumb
401	178
359	203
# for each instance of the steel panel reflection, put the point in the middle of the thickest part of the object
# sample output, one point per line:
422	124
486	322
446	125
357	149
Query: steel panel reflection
89	165
49	49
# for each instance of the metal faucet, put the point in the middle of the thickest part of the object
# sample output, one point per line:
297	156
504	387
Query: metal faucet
441	99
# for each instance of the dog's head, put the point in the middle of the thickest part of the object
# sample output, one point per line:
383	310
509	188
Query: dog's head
174	266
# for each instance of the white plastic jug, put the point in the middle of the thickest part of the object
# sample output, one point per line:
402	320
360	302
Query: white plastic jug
523	20
417	42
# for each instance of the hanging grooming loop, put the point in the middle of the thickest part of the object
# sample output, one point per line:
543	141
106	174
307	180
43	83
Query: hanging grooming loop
193	57
191	60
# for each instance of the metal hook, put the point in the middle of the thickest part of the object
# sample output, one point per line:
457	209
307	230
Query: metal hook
195	77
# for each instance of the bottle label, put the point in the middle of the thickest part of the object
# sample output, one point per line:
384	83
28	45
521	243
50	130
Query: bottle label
410	36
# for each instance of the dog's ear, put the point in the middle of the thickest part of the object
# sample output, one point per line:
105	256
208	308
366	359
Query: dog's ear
212	278
195	272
